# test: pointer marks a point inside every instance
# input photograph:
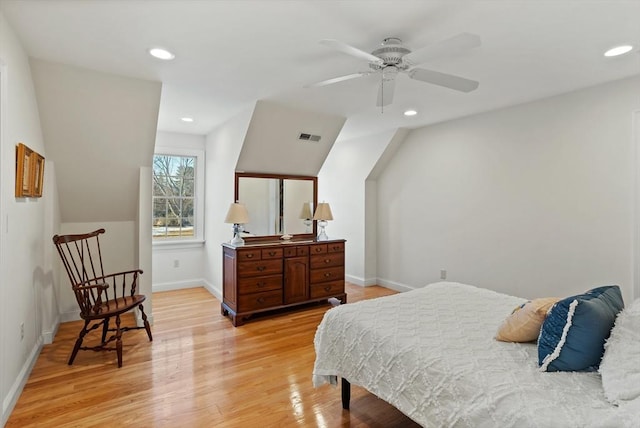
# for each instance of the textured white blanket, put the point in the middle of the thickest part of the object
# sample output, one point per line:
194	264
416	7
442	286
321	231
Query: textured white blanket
431	354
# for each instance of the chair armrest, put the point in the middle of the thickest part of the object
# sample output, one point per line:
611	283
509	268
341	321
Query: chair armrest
89	296
101	286
122	284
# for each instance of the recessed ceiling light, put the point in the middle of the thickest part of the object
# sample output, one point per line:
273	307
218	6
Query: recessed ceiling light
187	119
161	54
618	50
410	113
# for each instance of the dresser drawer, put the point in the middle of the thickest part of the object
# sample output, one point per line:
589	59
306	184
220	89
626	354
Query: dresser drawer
327	260
327	289
317	249
272	253
335	247
300	251
260	268
247	255
257	284
257	301
327	274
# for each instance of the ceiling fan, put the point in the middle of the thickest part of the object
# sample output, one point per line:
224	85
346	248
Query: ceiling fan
392	58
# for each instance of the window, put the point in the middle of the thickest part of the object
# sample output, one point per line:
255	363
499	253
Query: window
177	197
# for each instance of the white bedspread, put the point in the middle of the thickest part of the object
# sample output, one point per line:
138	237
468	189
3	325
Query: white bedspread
431	354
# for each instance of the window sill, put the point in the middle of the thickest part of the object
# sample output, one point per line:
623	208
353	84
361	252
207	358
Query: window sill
178	244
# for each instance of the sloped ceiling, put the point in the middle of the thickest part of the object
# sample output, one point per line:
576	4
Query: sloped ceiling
231	53
99	129
272	143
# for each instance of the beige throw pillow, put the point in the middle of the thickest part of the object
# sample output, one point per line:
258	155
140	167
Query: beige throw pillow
524	323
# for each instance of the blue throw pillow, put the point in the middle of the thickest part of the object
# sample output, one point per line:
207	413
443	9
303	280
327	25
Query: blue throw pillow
573	334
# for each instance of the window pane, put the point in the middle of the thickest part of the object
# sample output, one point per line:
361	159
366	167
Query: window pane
188	187
173	196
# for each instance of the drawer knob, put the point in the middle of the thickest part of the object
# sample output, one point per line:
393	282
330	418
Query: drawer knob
260	299
327	288
272	253
327	260
327	275
261	268
318	250
249	256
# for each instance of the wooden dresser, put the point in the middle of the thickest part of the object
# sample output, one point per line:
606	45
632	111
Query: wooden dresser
260	277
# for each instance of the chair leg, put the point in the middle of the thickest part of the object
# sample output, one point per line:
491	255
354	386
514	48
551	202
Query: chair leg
146	323
78	344
118	341
105	329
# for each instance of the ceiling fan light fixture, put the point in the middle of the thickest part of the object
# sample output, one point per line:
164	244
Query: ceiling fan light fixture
410	112
161	53
618	50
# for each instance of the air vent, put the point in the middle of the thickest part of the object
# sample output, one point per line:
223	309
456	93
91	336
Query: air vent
309	137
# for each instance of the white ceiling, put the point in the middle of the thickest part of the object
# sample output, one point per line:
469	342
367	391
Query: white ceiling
231	53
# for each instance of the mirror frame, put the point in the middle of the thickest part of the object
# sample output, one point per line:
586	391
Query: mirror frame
314	231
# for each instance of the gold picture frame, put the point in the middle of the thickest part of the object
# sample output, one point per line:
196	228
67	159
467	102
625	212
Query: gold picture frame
29	172
23	171
37	175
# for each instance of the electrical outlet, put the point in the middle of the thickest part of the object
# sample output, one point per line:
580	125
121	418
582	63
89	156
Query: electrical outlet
21	331
443	274
176	263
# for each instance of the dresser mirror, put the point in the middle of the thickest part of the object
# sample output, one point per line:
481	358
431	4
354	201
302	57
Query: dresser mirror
277	204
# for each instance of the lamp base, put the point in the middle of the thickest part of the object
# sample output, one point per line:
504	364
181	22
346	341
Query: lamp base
237	240
322	236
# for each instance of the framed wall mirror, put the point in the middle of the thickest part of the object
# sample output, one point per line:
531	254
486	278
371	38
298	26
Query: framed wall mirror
277	204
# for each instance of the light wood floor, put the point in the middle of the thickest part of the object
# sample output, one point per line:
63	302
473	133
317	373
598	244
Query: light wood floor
199	371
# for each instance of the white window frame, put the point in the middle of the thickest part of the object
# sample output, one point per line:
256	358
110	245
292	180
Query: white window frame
198	239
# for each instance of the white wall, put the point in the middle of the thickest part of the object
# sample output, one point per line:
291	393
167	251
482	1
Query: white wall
26	251
636	248
223	149
341	183
144	252
532	200
100	129
178	266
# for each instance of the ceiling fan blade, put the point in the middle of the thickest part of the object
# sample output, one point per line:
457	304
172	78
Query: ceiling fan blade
385	92
350	50
337	79
443	79
455	43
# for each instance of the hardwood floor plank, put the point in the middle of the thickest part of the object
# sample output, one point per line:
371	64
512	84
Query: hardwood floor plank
199	371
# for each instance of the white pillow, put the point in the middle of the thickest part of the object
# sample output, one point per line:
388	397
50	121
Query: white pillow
620	366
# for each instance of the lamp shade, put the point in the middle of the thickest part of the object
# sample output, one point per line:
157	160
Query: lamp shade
237	214
306	211
323	212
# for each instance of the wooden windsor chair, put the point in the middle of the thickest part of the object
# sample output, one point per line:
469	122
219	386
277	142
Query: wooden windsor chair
99	296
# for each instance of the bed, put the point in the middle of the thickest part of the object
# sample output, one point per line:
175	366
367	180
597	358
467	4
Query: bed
431	353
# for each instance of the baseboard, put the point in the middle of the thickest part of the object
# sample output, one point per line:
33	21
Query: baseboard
394	285
213	290
360	281
177	285
16	389
47	336
70	316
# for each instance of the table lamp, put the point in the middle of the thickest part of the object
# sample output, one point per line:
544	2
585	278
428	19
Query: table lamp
237	215
322	215
306	215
